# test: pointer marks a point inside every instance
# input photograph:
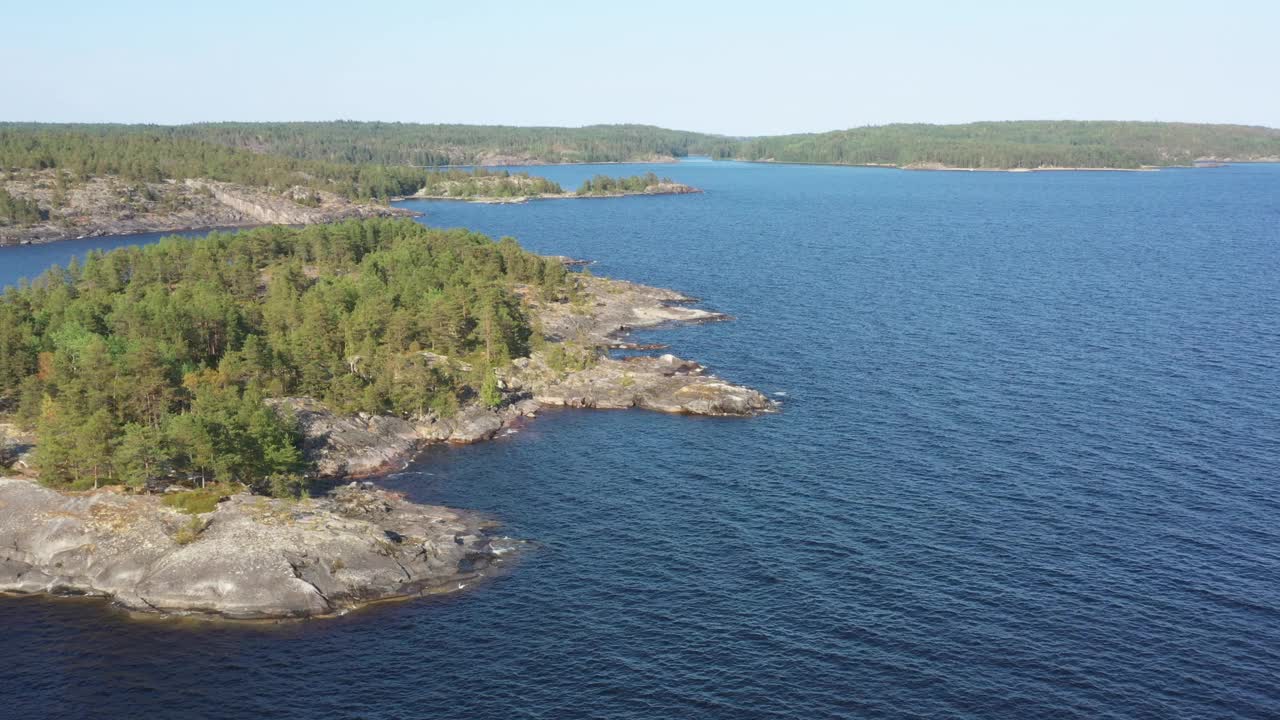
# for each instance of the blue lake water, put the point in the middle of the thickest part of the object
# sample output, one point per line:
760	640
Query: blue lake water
1027	467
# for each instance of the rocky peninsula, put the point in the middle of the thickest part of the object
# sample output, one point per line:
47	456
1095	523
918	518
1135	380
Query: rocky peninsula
254	557
366	445
109	205
251	558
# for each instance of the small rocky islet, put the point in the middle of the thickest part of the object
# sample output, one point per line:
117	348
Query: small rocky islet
257	558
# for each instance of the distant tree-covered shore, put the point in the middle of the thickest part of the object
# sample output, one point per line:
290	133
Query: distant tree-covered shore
419	145
1014	145
379	160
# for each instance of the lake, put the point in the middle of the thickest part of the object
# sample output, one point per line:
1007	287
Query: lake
1026	467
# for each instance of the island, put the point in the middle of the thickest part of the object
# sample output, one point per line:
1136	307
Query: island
188	423
65	182
482	185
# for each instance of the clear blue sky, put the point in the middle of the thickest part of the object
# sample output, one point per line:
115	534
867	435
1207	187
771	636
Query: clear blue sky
731	67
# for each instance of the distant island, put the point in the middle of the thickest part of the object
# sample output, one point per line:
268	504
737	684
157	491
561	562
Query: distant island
174	414
501	186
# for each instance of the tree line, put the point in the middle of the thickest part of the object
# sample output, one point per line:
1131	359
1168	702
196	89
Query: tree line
157	361
438	145
143	157
1020	144
421	145
605	185
483	182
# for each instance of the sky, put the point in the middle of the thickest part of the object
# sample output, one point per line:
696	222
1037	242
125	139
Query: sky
736	68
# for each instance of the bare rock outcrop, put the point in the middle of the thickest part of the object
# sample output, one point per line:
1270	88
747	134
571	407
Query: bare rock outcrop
610	309
353	446
107	205
252	557
268	208
663	384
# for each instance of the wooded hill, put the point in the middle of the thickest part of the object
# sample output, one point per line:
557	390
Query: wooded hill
419	145
1022	144
154	361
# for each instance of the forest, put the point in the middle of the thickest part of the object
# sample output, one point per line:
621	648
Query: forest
1020	144
153	362
389	144
377	161
141	156
438	145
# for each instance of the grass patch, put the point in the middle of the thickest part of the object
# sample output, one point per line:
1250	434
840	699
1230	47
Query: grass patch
197	502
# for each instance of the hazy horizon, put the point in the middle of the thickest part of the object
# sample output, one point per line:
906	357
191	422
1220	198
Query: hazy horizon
732	69
584	125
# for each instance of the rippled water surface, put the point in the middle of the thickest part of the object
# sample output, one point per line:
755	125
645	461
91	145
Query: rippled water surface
1027	467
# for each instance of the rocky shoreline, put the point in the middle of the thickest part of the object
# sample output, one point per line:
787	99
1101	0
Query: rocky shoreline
111	206
252	558
255	558
367	445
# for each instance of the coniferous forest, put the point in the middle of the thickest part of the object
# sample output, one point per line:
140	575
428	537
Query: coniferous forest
382	160
1016	144
390	144
155	361
141	155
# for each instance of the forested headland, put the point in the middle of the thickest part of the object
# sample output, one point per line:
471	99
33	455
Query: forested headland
1016	145
151	362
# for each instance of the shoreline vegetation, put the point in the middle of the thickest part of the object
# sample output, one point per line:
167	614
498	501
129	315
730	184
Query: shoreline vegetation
179	409
70	181
501	186
1017	145
46	205
369	159
936	167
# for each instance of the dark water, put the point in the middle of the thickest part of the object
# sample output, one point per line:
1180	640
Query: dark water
1027	468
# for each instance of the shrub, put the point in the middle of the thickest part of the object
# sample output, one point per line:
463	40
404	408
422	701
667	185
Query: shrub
288	486
490	395
197	502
